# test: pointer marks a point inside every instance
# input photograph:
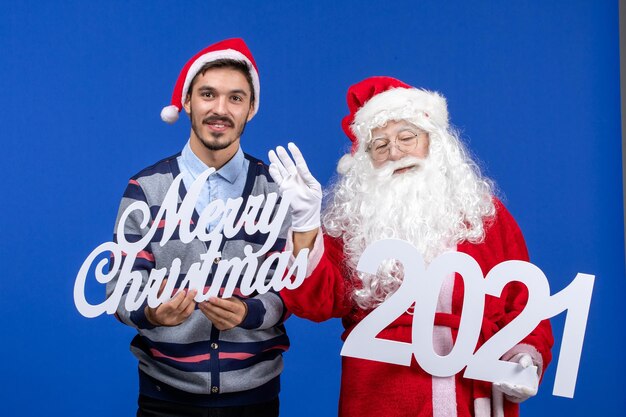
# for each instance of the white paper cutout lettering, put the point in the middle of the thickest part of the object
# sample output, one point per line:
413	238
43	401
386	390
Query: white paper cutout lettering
270	219
422	285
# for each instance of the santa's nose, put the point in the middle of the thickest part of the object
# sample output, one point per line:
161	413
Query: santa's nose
395	154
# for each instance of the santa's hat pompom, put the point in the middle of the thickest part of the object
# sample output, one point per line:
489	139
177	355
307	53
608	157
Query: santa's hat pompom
169	114
345	164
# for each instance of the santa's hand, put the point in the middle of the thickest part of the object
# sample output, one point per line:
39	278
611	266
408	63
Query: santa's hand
296	182
518	393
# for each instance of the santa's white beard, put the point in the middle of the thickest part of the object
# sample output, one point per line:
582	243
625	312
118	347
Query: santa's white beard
405	206
423	206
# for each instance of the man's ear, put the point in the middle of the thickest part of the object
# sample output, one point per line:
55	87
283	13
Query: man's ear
251	113
187	104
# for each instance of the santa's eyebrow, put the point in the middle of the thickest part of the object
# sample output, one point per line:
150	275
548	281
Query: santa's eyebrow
410	129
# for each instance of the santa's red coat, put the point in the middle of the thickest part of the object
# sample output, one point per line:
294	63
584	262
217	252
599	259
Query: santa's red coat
370	388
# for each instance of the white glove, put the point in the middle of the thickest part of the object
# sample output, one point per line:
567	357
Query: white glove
518	393
297	183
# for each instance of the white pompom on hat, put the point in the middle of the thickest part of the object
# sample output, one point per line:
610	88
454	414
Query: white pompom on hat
376	100
235	49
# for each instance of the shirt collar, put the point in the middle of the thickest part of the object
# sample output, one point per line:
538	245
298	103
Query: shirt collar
230	171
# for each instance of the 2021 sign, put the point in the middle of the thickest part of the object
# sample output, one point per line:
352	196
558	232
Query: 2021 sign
421	286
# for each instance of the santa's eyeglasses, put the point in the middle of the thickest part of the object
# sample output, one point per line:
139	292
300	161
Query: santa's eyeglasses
380	148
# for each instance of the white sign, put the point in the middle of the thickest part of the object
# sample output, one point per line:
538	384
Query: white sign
421	286
260	214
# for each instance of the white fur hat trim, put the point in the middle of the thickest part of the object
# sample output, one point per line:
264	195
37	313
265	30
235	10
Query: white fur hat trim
400	104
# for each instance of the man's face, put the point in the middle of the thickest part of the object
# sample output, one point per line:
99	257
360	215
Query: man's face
219	108
395	141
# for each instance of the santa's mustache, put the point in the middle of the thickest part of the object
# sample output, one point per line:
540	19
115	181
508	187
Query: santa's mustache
387	170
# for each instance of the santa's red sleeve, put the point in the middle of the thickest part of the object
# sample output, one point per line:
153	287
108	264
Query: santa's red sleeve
324	293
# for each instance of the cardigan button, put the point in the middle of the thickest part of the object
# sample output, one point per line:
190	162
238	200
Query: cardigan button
214	345
215	389
217	260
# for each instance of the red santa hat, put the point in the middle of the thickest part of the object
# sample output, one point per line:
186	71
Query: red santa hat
376	100
235	49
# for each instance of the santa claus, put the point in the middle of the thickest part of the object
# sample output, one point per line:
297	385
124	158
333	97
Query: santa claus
409	177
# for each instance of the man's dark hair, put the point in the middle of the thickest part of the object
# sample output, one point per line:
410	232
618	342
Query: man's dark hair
240	66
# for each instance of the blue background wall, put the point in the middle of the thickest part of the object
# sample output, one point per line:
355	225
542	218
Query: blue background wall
533	85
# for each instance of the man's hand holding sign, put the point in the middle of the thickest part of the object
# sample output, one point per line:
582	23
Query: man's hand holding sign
174	311
224	313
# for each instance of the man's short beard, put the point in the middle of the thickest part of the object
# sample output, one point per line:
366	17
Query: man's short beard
434	206
218	146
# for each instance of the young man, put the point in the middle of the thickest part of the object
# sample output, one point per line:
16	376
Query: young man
408	177
220	356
